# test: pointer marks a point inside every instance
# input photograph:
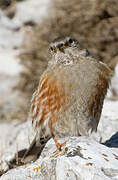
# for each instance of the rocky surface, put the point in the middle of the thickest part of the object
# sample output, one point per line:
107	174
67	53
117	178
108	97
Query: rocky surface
18	136
109	120
34	11
10	41
81	158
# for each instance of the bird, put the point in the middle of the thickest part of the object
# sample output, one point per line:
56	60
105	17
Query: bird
70	94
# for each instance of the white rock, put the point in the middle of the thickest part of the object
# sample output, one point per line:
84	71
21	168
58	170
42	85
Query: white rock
9	63
31	10
82	158
26	11
14	136
109	120
9	38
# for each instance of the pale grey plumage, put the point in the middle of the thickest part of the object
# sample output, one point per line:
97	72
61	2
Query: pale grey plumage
70	95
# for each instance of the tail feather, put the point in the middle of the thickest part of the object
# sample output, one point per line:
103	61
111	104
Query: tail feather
34	150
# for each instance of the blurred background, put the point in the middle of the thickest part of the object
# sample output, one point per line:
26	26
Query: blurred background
26	29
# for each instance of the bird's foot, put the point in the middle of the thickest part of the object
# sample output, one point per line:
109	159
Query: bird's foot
59	152
59	146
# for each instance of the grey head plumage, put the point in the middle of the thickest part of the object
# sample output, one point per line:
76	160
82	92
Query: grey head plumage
66	50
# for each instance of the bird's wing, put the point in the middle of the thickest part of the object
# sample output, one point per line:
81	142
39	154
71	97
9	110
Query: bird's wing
48	100
94	85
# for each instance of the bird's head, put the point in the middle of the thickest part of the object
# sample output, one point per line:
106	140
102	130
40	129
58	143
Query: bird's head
66	50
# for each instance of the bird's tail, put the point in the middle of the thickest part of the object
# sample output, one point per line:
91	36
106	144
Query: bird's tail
34	150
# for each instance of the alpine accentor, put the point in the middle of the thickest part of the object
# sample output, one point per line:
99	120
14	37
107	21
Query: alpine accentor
70	95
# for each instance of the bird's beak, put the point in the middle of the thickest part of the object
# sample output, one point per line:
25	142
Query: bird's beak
57	49
61	48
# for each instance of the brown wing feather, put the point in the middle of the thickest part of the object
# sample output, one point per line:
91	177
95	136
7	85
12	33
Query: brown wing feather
48	100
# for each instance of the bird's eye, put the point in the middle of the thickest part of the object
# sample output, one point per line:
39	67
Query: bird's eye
59	45
71	40
66	44
51	48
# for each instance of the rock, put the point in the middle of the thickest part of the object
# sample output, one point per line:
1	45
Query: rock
5	3
9	37
11	106
82	158
16	137
27	11
109	120
113	141
10	100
